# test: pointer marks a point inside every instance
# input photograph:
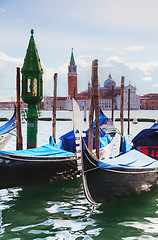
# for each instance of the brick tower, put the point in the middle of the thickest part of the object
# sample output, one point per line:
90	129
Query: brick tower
72	77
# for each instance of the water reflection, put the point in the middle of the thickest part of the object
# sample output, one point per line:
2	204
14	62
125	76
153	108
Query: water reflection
46	210
60	211
131	218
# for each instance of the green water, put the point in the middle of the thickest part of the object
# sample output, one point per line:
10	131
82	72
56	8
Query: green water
61	211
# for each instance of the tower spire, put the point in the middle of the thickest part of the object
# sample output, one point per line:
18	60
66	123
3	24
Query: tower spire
72	60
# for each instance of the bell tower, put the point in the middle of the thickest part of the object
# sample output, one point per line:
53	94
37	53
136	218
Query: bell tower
72	77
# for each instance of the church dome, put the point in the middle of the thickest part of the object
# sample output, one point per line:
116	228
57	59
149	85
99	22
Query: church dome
109	82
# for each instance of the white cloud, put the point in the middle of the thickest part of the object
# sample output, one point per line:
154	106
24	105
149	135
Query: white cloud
135	48
2	10
8	67
86	56
125	14
148	79
82	63
143	75
63	69
6	59
155	85
107	49
115	59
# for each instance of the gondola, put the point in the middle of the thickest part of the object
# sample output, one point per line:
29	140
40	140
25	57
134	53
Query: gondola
129	174
35	166
48	163
7	130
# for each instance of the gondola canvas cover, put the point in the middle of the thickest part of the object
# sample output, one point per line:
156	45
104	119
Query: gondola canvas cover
68	140
10	125
45	150
147	137
133	159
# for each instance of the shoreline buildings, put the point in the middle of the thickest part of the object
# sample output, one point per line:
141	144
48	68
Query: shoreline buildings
83	98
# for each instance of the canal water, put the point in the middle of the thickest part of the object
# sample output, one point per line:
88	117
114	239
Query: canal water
61	211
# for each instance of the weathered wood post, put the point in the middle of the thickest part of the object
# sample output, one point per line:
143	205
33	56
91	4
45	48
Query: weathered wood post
128	111
19	141
94	107
54	108
121	110
85	109
91	114
112	109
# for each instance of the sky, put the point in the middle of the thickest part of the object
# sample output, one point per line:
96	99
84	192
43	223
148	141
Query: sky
121	34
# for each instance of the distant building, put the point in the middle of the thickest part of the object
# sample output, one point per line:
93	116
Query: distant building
62	103
83	98
105	96
134	98
10	105
149	101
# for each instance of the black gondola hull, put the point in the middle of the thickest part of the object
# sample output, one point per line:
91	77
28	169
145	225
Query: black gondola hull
102	185
18	171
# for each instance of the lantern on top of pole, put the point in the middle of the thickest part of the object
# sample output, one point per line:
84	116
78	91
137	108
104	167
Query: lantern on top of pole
32	89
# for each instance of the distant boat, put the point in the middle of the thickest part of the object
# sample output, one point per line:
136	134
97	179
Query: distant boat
7	130
135	121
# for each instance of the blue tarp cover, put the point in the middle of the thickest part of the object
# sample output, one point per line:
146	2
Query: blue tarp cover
102	119
125	146
133	159
68	140
11	124
105	138
147	137
46	150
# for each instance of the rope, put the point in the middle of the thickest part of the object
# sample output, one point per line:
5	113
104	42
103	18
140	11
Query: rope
12	134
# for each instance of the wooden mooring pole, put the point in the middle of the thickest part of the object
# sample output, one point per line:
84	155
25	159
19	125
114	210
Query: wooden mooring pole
91	115
85	110
128	130
112	109
54	108
19	141
121	110
95	107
